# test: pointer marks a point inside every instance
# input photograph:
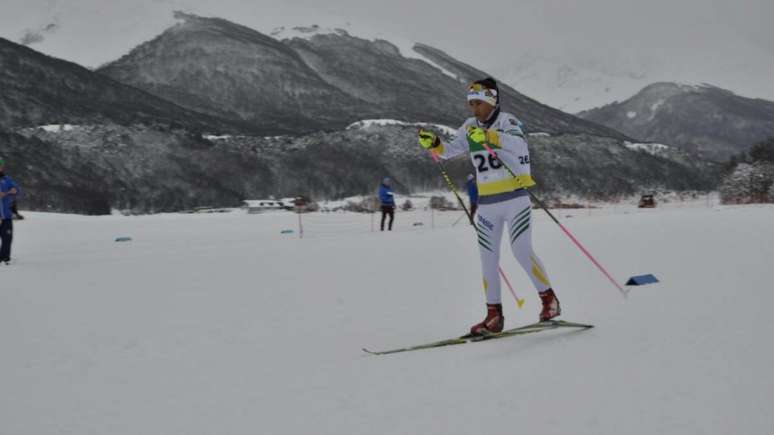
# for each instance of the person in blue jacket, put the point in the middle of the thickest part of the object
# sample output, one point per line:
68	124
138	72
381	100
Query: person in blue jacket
387	200
472	196
8	191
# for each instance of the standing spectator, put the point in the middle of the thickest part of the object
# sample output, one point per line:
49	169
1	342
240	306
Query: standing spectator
387	199
472	196
8	192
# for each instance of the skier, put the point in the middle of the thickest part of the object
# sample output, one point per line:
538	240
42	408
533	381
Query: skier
472	196
503	199
8	191
387	200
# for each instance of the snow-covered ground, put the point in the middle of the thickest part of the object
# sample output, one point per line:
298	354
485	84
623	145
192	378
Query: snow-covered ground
221	324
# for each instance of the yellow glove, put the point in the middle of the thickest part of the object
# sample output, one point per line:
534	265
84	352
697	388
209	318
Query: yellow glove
482	136
477	135
428	139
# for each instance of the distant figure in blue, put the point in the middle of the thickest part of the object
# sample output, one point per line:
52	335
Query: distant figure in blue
8	191
472	196
387	199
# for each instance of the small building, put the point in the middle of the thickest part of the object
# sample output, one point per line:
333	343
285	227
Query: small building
290	202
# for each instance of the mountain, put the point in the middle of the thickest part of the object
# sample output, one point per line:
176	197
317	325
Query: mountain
221	68
321	81
710	121
606	168
39	89
581	78
391	86
140	169
53	179
113	146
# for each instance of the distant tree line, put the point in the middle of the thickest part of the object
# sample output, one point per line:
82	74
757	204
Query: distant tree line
749	177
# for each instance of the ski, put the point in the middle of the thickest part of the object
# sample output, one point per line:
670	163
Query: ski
535	327
441	343
528	329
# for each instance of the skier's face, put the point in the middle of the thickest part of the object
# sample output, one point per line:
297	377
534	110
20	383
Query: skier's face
481	110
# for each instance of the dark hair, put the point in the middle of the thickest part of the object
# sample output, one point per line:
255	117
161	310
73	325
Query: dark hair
488	83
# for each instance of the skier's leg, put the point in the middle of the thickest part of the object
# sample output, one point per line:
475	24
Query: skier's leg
384	215
489	225
520	227
520	237
392	217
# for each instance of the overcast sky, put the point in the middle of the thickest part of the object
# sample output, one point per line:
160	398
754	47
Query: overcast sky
695	38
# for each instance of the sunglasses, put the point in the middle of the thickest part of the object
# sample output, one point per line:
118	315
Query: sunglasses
478	87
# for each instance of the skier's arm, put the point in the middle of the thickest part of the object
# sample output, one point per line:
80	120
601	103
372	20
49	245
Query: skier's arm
429	141
457	146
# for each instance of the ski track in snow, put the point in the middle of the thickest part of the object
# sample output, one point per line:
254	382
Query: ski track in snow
221	324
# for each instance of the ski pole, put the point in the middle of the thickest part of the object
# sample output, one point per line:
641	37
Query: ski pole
445	175
565	230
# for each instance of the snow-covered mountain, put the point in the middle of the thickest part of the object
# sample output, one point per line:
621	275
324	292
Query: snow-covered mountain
704	119
314	79
582	79
113	146
143	169
39	89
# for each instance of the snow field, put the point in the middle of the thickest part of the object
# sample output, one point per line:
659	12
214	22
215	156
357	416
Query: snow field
221	324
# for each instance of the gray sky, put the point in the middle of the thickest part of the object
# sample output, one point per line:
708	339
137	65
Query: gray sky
696	40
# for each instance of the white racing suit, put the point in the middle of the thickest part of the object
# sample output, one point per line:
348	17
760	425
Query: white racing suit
503	199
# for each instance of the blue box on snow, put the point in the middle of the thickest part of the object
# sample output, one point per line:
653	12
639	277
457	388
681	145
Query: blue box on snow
642	280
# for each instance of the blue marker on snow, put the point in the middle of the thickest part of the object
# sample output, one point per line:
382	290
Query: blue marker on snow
642	280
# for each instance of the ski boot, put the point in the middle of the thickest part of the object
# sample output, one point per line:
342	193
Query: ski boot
493	322
551	306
